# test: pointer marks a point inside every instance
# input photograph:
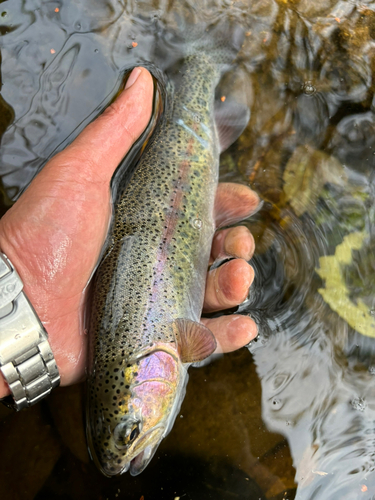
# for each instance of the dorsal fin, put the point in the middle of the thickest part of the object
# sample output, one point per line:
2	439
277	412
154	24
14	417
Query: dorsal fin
195	342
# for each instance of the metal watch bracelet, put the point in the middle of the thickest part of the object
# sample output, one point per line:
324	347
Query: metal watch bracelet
26	359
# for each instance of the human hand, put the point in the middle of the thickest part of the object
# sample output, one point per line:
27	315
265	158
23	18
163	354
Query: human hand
54	233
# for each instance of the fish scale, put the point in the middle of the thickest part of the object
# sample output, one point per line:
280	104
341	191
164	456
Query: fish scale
149	288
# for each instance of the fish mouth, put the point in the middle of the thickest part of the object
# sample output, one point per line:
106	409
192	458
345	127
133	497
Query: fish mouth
139	460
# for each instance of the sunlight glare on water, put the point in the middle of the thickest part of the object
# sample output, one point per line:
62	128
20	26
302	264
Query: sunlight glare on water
297	418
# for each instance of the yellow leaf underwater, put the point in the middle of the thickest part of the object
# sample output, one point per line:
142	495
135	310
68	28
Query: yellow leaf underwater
305	175
336	293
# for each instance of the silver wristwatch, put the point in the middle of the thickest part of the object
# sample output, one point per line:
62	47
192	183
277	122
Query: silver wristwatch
26	360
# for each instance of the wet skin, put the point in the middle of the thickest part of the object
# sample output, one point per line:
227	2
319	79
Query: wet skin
54	233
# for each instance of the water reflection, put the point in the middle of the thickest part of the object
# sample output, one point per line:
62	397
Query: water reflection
309	151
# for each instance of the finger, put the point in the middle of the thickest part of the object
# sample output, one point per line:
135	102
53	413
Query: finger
228	285
233	203
233	242
96	152
231	332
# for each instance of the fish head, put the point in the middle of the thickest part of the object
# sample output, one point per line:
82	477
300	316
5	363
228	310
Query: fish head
133	401
127	423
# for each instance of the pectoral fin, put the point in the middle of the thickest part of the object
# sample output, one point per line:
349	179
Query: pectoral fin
195	342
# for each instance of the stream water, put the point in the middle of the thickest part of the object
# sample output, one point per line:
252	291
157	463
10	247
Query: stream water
293	416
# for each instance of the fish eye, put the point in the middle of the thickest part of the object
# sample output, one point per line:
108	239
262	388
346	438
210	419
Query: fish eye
125	433
134	433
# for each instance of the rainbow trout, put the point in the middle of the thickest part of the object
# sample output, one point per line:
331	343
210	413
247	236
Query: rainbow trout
149	287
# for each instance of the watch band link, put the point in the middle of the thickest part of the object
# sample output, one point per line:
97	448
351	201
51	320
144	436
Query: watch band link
26	360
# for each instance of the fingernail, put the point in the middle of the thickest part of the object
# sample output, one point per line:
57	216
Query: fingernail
133	77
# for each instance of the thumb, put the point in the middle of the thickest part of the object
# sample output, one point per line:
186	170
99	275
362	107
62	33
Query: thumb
95	154
73	187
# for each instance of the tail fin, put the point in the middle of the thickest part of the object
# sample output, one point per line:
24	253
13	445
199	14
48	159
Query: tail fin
221	41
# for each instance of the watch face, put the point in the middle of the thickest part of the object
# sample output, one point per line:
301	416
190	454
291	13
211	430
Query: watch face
10	285
4	268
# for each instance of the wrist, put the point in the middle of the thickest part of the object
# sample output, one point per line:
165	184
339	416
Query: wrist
55	267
